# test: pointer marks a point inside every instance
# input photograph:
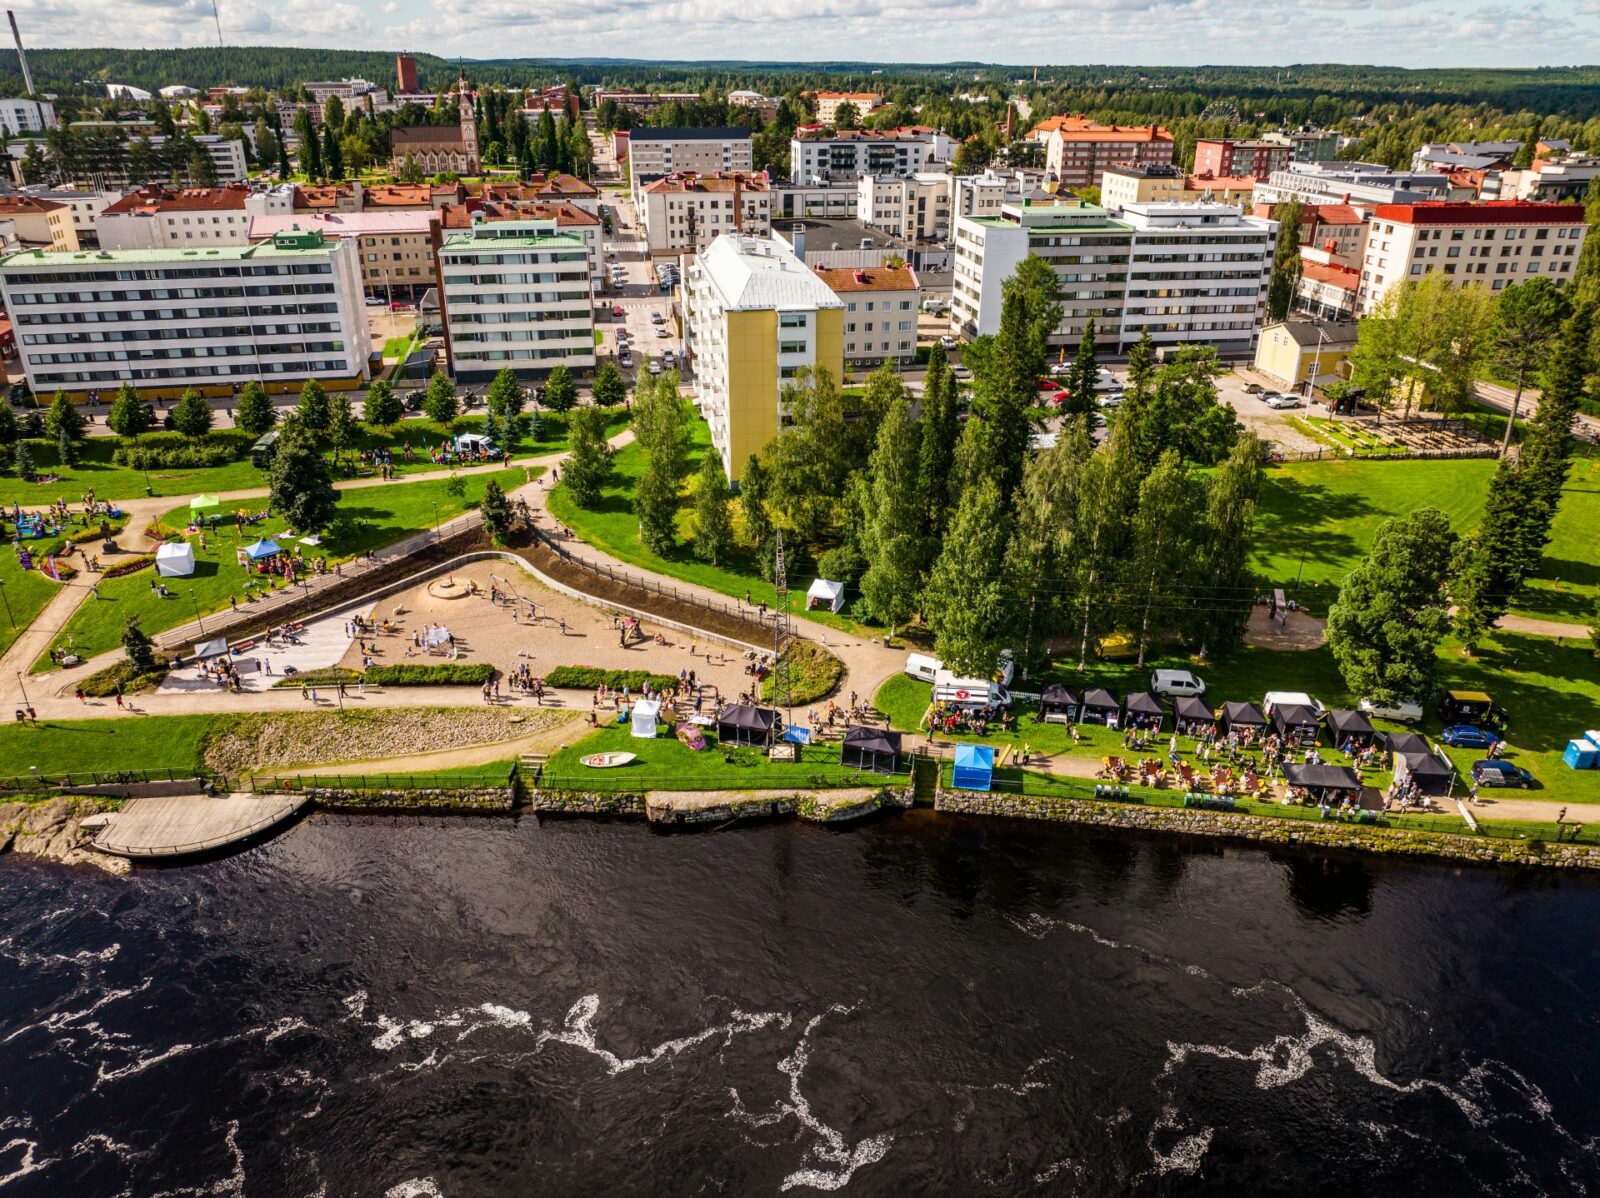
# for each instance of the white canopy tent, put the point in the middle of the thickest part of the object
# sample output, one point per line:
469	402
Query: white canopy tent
216	647
175	559
825	593
645	712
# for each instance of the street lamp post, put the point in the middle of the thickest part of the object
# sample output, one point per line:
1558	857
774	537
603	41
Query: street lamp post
23	689
193	598
7	599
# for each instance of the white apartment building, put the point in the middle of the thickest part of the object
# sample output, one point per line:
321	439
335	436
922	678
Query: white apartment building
921	207
396	249
824	201
826	156
653	153
350	91
156	217
880	313
685	212
1186	272
516	293
1362	183
756	317
1497	243
22	117
207	318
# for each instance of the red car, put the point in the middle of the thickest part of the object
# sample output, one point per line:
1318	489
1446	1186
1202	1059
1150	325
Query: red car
399	306
616	310
1052	393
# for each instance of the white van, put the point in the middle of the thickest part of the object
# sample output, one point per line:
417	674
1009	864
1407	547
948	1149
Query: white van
1289	699
1402	712
1176	683
968	692
924	668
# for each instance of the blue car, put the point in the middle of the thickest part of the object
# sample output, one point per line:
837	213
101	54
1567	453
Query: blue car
1500	773
1468	736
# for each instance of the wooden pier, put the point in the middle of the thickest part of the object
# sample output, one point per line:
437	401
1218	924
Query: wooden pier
171	826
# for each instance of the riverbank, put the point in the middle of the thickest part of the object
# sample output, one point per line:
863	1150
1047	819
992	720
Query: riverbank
51	829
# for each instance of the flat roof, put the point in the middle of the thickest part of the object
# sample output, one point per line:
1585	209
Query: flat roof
345	224
548	241
670	133
166	257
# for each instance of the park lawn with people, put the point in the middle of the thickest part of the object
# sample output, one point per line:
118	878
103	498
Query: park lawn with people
368	518
613	528
1315	521
24	593
665	763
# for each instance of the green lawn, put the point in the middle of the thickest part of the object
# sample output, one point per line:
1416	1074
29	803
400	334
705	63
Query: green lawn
665	763
613	528
1551	692
25	593
67	746
369	517
1316	521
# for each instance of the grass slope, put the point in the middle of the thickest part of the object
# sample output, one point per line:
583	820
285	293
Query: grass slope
68	746
24	592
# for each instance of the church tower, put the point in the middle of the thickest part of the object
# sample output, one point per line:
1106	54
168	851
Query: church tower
469	124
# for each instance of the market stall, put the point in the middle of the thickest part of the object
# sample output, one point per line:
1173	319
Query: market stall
645	714
1192	715
824	593
1350	728
1242	717
175	559
1100	706
1291	719
746	724
974	768
870	749
1058	705
1144	710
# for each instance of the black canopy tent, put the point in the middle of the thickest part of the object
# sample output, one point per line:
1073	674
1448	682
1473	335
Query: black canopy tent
744	724
1325	783
1351	727
870	749
1291	718
1100	706
1431	775
1058	704
1405	742
1191	712
1144	710
1242	716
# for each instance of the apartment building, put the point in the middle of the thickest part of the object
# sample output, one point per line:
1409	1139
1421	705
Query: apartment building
643	102
824	155
1328	286
38	222
554	188
1495	243
153	217
1184	272
1078	151
1307	144
569	218
756	317
24	117
1549	180
396	249
685	212
880	313
1338	229
920	208
1166	184
829	103
766	107
349	91
1363	183
1464	155
653	153
1226	156
515	293
85	206
825	201
169	319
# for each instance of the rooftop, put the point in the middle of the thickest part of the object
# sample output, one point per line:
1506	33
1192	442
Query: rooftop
875	278
1346	278
285	245
539	187
550	241
758	273
671	133
148	201
1307	333
1493	212
687	181
461	216
344	224
17	205
1209	182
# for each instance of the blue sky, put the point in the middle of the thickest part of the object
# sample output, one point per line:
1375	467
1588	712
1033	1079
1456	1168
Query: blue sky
1414	33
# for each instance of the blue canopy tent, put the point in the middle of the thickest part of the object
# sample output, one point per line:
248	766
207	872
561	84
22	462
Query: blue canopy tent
974	769
262	549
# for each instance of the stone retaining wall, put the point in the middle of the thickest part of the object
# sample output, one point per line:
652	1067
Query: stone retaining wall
1190	821
577	802
482	799
691	808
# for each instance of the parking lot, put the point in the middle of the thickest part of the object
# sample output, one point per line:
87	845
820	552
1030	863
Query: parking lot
640	297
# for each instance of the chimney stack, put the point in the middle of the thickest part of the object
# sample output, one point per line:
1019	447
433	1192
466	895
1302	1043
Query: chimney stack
22	55
738	202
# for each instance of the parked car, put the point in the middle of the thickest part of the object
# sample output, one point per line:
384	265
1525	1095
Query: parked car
399	306
1284	401
657	318
1059	370
960	373
1106	381
1402	712
1290	699
663	331
374	302
1468	736
1109	400
1500	773
948	341
616	310
626	360
655	367
1253	388
1174	683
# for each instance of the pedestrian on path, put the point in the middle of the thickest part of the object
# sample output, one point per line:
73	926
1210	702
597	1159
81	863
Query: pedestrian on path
82	698
305	693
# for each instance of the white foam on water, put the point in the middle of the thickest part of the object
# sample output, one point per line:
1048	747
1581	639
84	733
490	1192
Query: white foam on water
1289	1058
63	1020
82	957
578	1032
28	1162
355	1005
829	1149
139	1066
1037	927
231	1186
416	1187
1055	1168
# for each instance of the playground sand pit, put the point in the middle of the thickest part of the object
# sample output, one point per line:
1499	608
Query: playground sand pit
1287	630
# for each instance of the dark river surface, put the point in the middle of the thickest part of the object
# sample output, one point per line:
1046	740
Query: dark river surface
925	1005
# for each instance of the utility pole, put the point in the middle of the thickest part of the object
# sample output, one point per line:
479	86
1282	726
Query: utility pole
782	633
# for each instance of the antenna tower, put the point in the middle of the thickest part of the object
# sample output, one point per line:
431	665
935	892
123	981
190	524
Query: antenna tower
782	634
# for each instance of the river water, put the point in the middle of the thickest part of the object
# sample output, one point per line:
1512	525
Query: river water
926	1005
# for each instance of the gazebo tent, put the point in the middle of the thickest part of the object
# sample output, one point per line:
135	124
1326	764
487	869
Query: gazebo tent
1058	704
216	647
1100	706
1432	776
645	714
974	768
1405	742
870	749
1346	726
262	549
1144	709
744	724
175	559
1290	718
1189	712
1242	715
1324	782
825	593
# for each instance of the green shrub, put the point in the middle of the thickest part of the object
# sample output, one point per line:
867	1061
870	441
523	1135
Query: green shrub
83	536
172	451
456	674
326	676
131	566
814	673
104	683
588	677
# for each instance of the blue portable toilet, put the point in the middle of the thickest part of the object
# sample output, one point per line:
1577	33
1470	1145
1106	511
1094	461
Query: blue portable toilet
974	769
1581	755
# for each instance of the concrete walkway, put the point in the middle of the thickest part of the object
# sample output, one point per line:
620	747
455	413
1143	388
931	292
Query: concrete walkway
1534	627
163	826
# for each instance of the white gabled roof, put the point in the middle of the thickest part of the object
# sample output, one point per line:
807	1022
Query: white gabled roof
758	273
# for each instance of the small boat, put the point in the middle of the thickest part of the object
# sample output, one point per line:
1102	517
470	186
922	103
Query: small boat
606	761
691	736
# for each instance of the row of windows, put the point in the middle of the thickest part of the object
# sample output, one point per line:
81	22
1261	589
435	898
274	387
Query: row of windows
180	333
167	274
189	353
515	355
577	337
152	315
30	298
325	366
520	316
457	258
884	325
888	305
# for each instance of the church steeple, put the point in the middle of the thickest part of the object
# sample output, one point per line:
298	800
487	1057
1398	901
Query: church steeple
469	121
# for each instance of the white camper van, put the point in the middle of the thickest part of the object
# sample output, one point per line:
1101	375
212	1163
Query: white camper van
968	692
924	668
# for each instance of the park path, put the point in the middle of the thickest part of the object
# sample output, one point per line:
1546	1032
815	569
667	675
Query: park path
1535	627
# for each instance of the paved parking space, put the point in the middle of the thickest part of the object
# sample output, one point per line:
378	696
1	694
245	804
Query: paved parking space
639	297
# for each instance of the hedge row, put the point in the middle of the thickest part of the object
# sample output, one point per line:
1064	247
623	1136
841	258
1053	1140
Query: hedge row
459	674
589	677
104	684
132	566
175	457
